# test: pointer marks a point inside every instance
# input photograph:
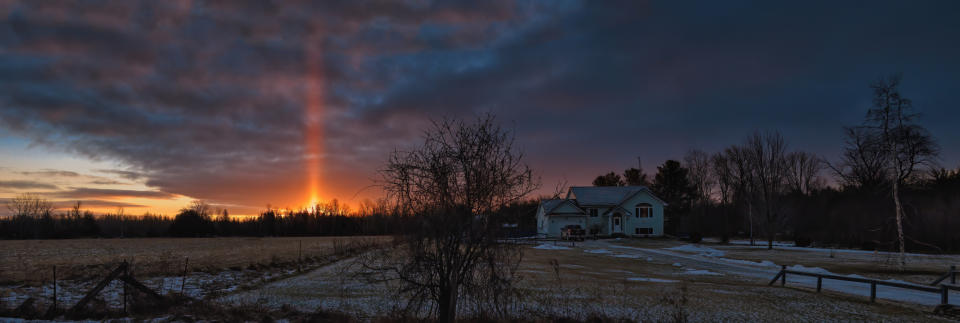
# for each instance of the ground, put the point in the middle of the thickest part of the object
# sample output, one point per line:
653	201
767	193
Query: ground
638	279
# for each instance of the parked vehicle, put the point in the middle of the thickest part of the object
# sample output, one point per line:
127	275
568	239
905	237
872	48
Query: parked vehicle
572	232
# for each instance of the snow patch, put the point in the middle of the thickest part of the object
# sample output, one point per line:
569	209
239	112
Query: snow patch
650	280
545	246
629	256
691	271
704	251
597	251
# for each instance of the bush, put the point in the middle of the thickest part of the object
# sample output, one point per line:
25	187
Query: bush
696	237
190	223
802	241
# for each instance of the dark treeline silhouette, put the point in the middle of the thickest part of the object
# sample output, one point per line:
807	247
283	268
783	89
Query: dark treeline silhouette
39	220
885	190
35	218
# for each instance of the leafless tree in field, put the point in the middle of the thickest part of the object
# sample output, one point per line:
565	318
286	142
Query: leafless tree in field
453	184
742	181
905	145
766	158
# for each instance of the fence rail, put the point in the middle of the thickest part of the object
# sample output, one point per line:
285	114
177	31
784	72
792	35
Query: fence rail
952	274
943	289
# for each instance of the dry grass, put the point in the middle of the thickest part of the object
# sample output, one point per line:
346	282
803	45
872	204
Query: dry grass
31	261
921	269
598	283
575	284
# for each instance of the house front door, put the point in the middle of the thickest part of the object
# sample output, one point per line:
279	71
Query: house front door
617	224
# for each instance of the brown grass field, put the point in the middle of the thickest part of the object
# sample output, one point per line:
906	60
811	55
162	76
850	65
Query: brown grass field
584	281
32	261
591	279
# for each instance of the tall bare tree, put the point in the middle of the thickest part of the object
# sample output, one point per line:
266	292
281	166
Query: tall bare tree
905	144
766	157
453	185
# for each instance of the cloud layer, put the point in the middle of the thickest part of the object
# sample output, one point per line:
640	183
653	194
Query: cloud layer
211	99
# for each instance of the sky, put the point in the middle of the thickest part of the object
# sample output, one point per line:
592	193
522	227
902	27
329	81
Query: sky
146	105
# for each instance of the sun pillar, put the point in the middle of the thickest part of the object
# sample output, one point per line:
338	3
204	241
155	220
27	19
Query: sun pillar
313	118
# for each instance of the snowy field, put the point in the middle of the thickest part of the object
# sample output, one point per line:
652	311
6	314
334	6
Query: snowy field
215	266
640	280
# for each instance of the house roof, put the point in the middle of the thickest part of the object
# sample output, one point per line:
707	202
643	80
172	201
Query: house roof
553	204
602	195
606	195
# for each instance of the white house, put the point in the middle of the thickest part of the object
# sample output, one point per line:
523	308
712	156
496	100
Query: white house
603	210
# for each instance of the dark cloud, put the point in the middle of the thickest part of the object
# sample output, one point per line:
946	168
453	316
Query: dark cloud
27	185
96	204
210	99
123	173
105	182
51	173
83	193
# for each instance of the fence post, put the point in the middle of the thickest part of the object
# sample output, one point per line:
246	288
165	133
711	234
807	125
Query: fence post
126	272
54	288
873	291
944	295
953	274
183	281
819	283
783	279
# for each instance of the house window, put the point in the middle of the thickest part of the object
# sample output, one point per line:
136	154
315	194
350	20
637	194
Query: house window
593	212
643	230
643	210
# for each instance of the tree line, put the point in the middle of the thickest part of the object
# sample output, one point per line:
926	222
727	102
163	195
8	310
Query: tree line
35	218
885	191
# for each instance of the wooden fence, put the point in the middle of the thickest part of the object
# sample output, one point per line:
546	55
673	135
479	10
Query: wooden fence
943	289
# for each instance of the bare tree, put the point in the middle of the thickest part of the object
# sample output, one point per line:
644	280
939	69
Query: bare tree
905	145
766	157
742	179
25	206
29	205
722	168
701	178
453	185
803	172
862	162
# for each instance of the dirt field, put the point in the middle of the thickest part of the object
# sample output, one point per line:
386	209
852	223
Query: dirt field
31	261
606	278
641	280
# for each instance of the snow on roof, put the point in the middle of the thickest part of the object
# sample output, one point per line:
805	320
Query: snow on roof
603	195
550	205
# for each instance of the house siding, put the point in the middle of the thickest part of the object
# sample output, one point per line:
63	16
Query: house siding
632	223
550	225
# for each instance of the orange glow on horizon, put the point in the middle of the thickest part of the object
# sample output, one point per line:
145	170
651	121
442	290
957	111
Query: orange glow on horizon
313	119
